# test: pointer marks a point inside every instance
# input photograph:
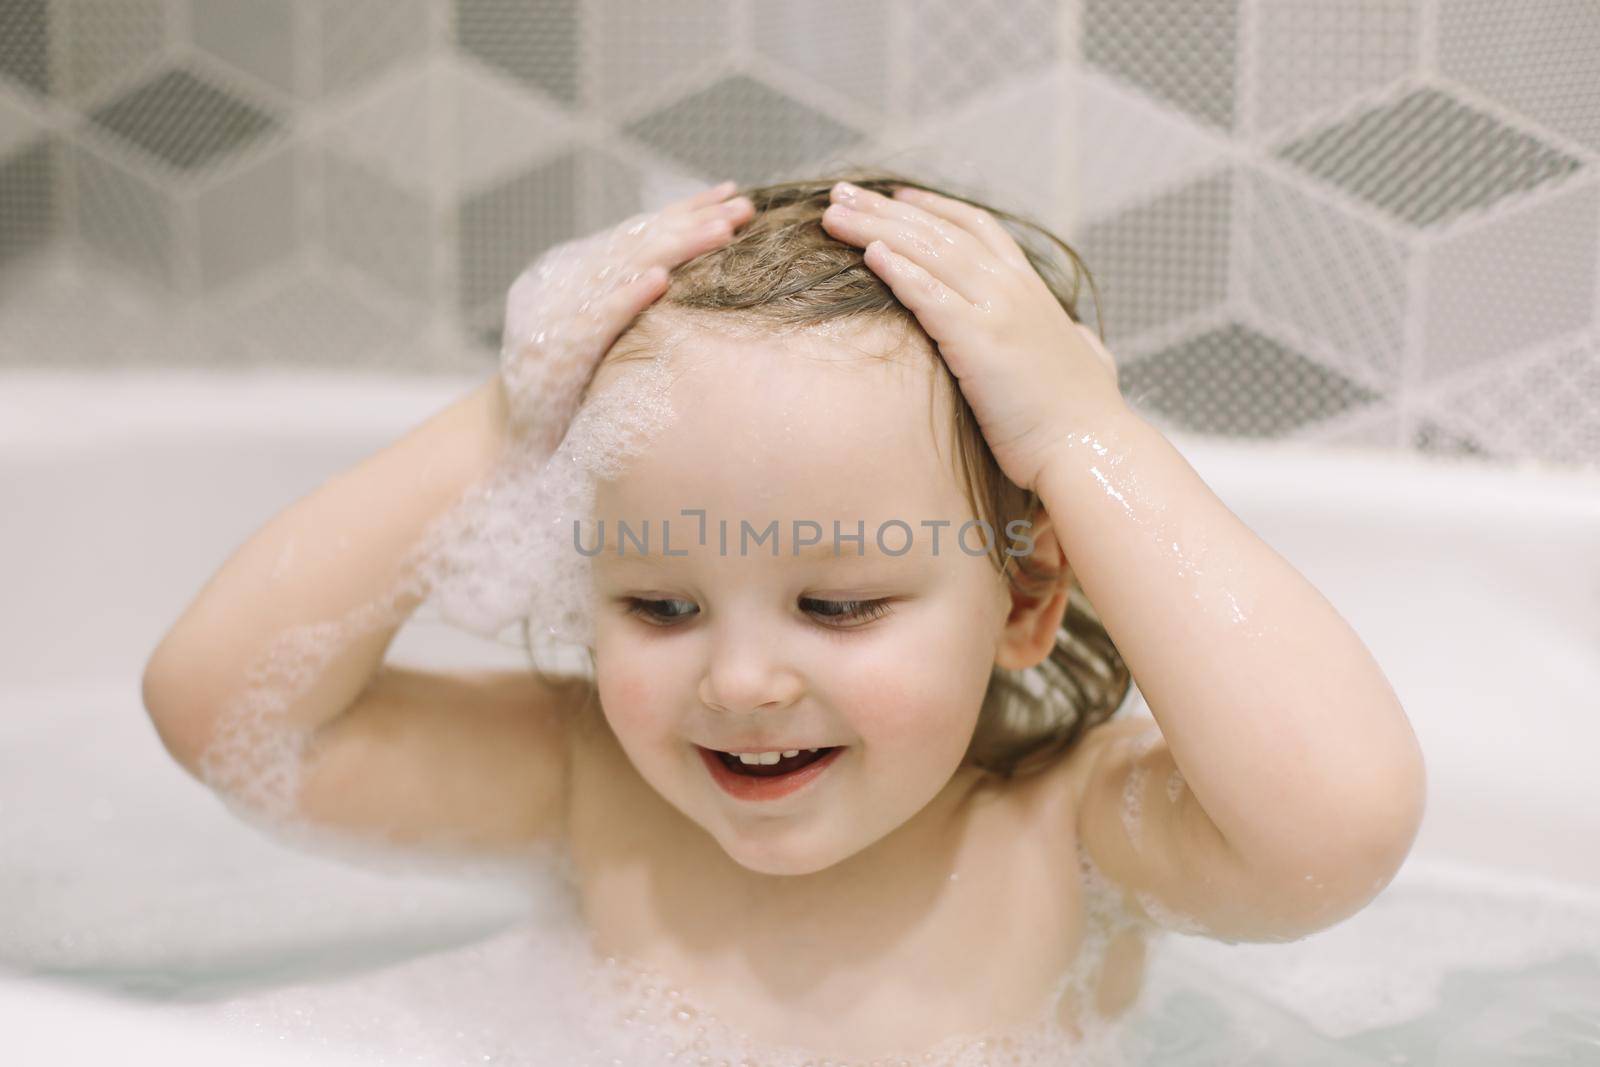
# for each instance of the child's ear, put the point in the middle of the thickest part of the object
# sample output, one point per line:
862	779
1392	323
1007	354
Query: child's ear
1030	629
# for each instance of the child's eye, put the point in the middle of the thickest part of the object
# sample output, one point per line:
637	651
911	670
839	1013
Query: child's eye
647	610
835	612
855	612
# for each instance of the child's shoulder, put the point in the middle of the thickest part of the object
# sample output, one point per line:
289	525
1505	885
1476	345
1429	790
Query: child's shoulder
1065	779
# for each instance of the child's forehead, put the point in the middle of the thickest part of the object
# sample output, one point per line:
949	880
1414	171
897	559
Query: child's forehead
804	416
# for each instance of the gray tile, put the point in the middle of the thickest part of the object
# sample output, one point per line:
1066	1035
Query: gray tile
124	218
840	45
182	120
1234	381
248	221
534	41
357	40
1310	56
646	53
742	129
108	40
17	126
1489	45
507	226
378	227
957	48
25	43
1427	159
1180	51
313	319
609	190
257	36
1161	260
1549	408
28	199
1527	276
1333	277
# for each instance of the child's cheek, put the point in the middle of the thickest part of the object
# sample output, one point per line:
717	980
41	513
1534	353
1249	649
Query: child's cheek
906	713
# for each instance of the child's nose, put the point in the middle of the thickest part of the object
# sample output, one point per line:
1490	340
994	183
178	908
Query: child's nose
746	673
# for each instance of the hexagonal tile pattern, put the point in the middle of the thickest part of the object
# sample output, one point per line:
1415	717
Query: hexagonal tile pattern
444	128
28	199
1331	275
25	43
643	54
537	42
505	227
378	227
1180	51
1296	227
1141	146
1427	159
248	221
316	320
1009	147
1238	382
256	36
123	215
1526	276
183	121
1161	260
1487	45
357	41
42	322
742	129
107	40
1545	408
1310	56
958	48
839	45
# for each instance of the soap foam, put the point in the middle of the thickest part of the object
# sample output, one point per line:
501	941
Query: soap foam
540	994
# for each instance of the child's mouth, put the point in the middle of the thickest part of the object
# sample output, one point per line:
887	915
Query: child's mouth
756	781
784	765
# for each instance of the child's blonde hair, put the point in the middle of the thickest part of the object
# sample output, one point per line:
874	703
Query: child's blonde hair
782	268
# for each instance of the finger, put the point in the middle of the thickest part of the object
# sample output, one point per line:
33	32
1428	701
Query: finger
677	245
942	233
969	275
615	311
937	307
982	225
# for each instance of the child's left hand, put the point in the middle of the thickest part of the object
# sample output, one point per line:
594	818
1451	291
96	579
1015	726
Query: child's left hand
1024	365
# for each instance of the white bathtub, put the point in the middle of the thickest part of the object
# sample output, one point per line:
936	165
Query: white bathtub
1477	589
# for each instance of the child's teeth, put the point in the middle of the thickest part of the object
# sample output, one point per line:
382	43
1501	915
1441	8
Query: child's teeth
768	758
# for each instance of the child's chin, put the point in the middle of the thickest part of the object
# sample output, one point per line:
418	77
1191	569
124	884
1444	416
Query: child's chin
789	859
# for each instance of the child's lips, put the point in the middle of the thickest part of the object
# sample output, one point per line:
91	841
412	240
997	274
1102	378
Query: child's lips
765	786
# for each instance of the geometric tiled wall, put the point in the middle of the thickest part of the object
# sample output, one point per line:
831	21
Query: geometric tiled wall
1364	221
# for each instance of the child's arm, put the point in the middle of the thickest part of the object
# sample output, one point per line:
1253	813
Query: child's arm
405	752
1301	784
1302	781
471	758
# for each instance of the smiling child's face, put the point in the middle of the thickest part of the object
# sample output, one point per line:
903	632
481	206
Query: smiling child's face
749	650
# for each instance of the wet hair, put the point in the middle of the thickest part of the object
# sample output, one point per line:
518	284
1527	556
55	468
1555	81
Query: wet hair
782	269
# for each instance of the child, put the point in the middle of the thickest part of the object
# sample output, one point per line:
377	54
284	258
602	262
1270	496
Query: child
846	790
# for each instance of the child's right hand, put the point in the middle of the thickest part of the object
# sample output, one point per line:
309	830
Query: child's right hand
567	308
